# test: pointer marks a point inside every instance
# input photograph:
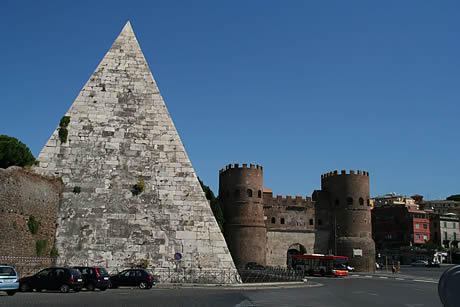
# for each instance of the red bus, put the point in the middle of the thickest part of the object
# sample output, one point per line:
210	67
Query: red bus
324	265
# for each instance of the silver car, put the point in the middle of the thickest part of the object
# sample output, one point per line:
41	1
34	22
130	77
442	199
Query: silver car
9	280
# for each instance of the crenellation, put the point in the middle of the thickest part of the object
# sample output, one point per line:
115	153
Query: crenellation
297	224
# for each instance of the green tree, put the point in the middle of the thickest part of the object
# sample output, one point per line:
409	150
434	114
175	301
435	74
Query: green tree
14	152
455	197
215	205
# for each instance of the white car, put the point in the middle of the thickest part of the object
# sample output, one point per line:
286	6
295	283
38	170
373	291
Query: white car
9	280
350	268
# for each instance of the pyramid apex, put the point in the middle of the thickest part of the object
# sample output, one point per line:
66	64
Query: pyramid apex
127	27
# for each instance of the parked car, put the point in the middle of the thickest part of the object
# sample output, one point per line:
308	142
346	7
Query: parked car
254	266
62	279
134	278
433	264
9	280
94	277
419	263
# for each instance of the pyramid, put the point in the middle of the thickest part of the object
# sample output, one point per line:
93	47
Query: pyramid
130	192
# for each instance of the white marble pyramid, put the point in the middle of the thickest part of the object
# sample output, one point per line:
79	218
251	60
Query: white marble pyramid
120	133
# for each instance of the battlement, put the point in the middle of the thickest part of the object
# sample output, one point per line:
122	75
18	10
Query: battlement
290	200
237	166
344	172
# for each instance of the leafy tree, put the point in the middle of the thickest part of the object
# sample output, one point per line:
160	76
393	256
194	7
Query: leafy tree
14	152
455	197
215	205
418	198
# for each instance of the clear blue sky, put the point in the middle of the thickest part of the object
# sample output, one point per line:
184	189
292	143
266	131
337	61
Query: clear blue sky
300	87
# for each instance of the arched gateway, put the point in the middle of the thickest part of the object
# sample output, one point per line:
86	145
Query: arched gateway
294	249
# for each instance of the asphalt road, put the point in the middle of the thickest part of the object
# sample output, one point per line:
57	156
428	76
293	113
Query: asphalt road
356	290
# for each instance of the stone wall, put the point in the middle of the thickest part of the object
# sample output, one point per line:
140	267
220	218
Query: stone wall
289	213
24	194
280	241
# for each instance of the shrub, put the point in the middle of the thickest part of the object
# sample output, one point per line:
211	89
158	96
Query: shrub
13	152
33	225
40	247
143	263
54	253
139	187
63	129
77	190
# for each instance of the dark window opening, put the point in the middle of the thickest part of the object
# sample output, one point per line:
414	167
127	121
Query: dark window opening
361	201
282	221
273	220
259	194
368	203
311	221
249	193
349	201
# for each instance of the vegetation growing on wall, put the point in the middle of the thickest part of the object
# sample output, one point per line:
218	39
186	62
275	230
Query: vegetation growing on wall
139	187
33	225
76	190
215	205
63	132
14	153
54	253
40	247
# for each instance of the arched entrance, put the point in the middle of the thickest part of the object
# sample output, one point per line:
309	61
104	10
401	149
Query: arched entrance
294	249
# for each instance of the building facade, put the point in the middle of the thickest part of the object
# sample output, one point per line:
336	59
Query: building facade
399	225
445	230
266	229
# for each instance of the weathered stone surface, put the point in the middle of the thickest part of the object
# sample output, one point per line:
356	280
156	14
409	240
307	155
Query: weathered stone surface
120	131
24	194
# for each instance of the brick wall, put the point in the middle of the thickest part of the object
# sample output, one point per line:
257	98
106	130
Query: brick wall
24	194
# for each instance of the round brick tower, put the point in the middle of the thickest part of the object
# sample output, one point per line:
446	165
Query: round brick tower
350	217
241	191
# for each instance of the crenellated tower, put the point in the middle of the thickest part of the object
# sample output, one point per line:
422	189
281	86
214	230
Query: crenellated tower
241	191
350	217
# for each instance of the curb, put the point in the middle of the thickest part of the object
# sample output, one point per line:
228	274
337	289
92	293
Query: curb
247	286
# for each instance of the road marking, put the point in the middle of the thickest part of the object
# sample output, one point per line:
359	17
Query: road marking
368	276
245	303
423	280
374	294
399	278
383	277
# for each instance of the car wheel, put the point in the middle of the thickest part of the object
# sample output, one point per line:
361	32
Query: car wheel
102	289
149	287
24	288
142	285
90	287
64	288
10	293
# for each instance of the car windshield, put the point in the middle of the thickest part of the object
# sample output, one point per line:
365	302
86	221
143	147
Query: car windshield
6	271
340	264
75	273
102	271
